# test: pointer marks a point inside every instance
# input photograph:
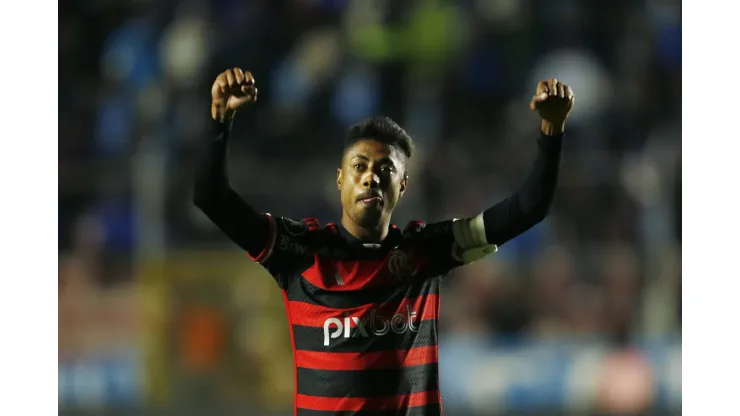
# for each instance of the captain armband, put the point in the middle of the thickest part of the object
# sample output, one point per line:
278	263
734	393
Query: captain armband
470	240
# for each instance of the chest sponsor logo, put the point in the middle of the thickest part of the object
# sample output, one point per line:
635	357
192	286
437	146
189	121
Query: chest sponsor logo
370	324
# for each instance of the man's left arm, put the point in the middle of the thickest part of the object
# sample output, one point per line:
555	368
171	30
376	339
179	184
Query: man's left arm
521	211
481	235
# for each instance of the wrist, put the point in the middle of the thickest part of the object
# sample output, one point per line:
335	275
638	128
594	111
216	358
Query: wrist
220	129
552	129
222	115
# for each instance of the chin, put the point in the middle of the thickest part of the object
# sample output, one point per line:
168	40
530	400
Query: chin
369	217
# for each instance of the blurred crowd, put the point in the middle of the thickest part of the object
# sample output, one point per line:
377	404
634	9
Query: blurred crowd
135	80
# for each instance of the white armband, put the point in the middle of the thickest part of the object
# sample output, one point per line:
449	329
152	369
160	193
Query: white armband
470	240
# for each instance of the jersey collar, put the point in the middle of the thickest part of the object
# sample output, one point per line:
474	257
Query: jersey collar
391	241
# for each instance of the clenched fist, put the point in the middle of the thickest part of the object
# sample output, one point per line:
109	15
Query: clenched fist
553	101
230	91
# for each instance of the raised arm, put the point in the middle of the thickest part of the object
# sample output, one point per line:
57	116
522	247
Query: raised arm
509	218
247	227
531	203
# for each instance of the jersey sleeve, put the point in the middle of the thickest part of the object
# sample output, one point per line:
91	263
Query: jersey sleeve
452	243
289	248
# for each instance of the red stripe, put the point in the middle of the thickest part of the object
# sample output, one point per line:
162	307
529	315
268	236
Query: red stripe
272	236
365	360
436	354
292	344
369	403
355	274
312	223
307	314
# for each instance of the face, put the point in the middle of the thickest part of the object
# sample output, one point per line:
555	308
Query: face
372	180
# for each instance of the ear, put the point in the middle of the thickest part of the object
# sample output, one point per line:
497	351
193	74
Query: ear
339	178
404	183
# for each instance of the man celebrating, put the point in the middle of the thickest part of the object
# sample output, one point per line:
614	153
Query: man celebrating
362	296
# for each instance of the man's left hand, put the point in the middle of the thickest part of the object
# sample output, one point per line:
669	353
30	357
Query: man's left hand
553	101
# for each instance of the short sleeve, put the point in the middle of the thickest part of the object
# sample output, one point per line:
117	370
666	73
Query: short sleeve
289	249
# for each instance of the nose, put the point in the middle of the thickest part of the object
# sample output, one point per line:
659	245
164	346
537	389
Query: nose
371	180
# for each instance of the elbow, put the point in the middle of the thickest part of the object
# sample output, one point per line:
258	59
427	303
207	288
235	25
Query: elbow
209	199
538	212
543	210
198	201
206	195
202	200
539	217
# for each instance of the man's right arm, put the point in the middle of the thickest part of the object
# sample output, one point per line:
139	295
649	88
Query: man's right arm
280	244
245	226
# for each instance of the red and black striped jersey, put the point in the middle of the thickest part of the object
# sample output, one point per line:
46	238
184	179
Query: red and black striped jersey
363	317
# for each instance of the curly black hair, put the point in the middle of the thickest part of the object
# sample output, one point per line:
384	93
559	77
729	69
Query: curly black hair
382	129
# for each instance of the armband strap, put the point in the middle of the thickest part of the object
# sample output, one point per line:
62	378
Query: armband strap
470	240
472	254
469	232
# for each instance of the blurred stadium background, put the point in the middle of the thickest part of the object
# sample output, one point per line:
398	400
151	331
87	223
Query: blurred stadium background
160	314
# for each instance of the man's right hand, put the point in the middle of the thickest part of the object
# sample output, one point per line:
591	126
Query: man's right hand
230	91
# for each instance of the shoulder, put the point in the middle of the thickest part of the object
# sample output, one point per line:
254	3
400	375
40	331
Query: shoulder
420	230
298	236
297	227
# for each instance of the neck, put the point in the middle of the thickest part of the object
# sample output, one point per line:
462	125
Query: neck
373	234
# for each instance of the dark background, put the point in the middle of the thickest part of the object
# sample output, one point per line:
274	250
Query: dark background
159	308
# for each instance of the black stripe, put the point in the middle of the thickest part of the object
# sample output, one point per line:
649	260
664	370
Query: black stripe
428	410
309	338
301	290
368	383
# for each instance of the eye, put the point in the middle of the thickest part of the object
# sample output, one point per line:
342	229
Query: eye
387	169
359	166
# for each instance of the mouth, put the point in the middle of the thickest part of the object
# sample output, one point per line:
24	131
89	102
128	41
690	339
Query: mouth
370	199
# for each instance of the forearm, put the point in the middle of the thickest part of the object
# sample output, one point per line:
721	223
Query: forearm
213	194
532	202
211	178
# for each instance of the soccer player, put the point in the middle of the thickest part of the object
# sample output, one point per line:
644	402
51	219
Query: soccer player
362	296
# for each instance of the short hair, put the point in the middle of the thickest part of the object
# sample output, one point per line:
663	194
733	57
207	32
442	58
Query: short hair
382	129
